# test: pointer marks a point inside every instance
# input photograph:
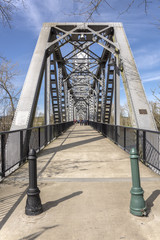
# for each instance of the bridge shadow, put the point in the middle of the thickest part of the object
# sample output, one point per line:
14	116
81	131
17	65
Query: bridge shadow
80	136
37	234
150	200
6	203
51	204
69	145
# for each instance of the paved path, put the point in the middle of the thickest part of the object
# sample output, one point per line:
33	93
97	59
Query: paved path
85	184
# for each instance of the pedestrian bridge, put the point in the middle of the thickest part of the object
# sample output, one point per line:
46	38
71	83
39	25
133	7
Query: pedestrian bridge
85	182
80	67
83	171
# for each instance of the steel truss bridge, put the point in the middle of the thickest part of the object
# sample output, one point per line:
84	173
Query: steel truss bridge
81	64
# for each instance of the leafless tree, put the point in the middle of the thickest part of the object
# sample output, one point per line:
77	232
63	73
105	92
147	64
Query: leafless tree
139	3
124	116
8	93
155	107
7	9
88	8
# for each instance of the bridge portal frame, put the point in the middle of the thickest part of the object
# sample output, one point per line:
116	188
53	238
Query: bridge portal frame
115	48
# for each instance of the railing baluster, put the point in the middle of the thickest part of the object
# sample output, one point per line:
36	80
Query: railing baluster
144	146
3	154
124	138
137	140
115	136
45	135
106	130
39	138
21	146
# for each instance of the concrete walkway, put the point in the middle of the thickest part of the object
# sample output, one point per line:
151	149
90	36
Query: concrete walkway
85	184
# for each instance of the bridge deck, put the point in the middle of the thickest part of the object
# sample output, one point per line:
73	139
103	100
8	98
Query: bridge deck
85	184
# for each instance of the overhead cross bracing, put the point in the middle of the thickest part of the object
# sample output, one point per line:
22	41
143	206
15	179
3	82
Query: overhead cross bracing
82	64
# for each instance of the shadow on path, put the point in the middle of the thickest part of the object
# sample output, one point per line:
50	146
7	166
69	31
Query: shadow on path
6	204
37	234
150	200
49	205
12	207
70	145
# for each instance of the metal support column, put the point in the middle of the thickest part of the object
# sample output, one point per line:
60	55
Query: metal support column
103	95
116	93
47	92
66	100
60	90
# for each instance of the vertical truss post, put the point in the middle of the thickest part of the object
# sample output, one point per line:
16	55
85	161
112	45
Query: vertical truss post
66	101
96	102
47	92
109	90
70	111
91	108
60	90
94	110
116	93
69	106
103	95
54	89
88	112
73	111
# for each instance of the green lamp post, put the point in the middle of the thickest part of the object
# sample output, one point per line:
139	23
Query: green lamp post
137	203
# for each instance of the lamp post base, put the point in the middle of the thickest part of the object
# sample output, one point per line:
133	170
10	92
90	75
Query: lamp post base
137	203
33	204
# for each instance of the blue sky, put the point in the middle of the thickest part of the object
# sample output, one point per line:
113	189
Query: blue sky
17	44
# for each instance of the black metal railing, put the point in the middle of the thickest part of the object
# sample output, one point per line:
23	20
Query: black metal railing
14	145
146	142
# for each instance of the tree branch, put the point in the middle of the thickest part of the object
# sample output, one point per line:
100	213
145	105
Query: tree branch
7	9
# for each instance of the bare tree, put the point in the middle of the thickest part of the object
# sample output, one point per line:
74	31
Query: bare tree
132	2
7	9
124	116
8	93
155	107
88	8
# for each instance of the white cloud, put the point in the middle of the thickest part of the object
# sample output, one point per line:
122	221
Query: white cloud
37	12
147	59
151	78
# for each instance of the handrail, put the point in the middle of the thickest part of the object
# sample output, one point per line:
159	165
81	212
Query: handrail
147	142
14	145
140	129
23	129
